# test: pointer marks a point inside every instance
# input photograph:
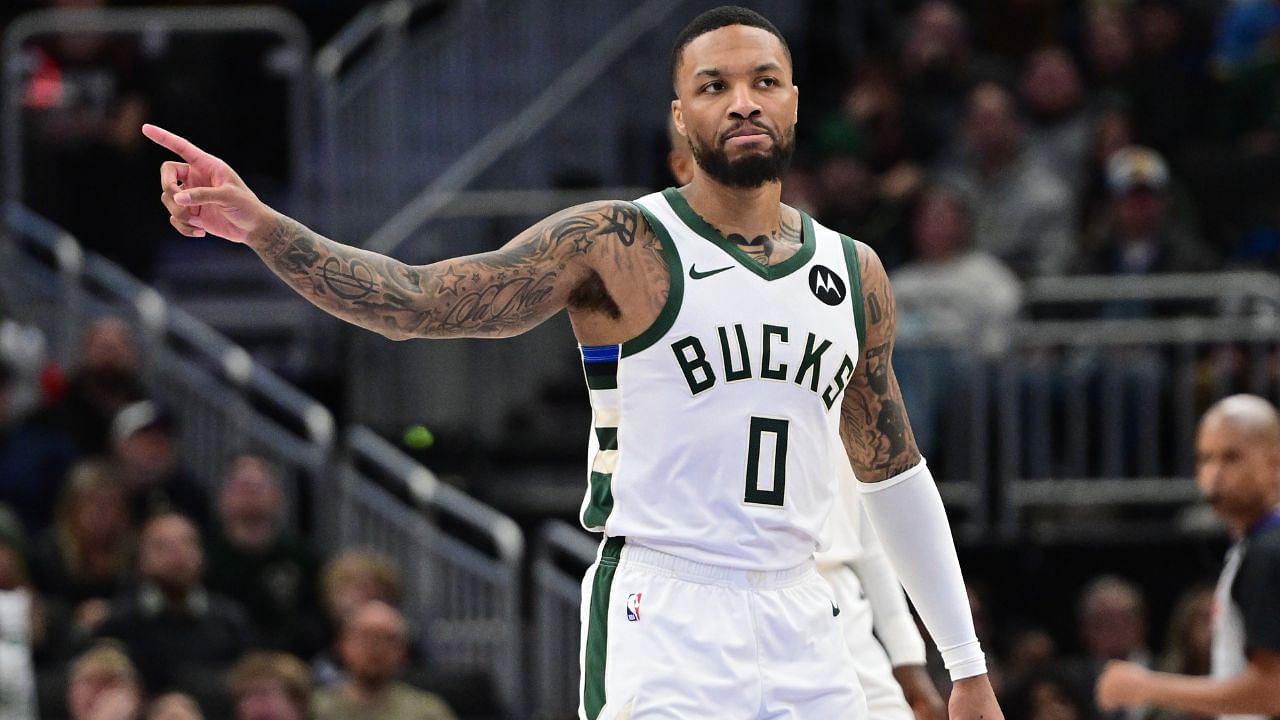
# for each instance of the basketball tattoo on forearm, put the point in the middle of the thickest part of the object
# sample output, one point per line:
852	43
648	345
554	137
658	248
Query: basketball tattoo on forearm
493	294
873	423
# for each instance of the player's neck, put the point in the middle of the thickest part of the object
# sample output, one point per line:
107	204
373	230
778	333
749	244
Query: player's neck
749	211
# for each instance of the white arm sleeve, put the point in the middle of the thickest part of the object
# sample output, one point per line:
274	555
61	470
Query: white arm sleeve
907	513
890	615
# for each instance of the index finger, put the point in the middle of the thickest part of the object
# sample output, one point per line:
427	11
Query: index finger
176	143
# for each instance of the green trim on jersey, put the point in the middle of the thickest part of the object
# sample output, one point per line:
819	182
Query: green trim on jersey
601	503
597	646
607	437
855	290
769	272
675	295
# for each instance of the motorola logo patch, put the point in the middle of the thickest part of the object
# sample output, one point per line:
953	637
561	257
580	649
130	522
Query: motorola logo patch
826	285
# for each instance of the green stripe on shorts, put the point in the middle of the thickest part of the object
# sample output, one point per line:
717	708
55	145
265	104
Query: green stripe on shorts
598	628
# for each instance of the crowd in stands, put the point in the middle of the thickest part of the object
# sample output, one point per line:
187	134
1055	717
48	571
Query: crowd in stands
140	594
1038	680
1119	137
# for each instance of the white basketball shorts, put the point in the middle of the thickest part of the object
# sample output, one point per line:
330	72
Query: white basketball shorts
885	700
668	638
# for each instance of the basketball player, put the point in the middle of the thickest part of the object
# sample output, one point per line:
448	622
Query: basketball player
888	652
1238	470
729	344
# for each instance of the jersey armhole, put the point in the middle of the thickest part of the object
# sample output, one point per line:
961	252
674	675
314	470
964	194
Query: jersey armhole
675	295
855	290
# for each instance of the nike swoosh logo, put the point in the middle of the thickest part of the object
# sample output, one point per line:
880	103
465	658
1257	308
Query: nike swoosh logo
693	272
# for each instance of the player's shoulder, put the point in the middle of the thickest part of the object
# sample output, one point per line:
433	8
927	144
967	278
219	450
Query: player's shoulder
620	220
590	227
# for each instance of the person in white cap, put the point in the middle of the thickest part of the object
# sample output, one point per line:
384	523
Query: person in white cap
1142	236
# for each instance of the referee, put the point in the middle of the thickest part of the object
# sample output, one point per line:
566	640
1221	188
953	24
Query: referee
1238	470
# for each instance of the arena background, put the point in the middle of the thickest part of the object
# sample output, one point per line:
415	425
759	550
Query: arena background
1116	161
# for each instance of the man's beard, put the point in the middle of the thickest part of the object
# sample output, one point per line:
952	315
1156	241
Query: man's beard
751	171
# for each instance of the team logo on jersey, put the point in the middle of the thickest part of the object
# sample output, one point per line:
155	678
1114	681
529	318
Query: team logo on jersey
826	285
633	606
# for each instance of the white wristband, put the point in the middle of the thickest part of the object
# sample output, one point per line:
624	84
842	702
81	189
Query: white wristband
910	520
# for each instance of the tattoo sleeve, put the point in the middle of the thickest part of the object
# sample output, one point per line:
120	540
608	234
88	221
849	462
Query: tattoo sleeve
873	423
494	294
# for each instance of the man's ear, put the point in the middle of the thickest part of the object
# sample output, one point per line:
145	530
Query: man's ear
677	116
795	119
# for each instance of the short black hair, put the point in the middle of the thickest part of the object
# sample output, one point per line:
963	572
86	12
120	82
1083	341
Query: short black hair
715	19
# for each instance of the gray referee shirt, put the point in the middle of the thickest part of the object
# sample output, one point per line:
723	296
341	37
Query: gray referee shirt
1247	603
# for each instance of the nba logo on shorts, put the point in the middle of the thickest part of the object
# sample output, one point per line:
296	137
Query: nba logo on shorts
633	606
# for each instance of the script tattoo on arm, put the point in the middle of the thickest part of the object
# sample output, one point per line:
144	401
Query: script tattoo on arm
873	423
493	294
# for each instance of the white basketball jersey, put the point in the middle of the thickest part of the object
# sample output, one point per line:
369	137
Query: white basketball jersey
713	431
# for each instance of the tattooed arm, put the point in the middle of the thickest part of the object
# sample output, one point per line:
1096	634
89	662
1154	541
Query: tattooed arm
907	512
493	294
873	423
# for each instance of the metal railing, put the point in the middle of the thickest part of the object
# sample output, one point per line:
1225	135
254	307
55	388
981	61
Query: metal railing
561	557
223	401
461	559
467	594
1232	292
153	25
1102	414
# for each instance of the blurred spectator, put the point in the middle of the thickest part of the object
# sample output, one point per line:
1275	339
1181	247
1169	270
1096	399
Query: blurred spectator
19	621
1108	46
1013	29
17	673
1190	633
253	559
1060	123
1246	58
104	686
181	636
270	686
84	98
13	547
105	380
871	123
951	291
951	283
356	577
145	447
1112	132
1031	652
84	559
1023	212
174	706
34	458
1188	646
1113	621
935	61
87	553
1248	33
374	648
1113	626
349	581
851	203
1171	93
1046	696
1141	236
